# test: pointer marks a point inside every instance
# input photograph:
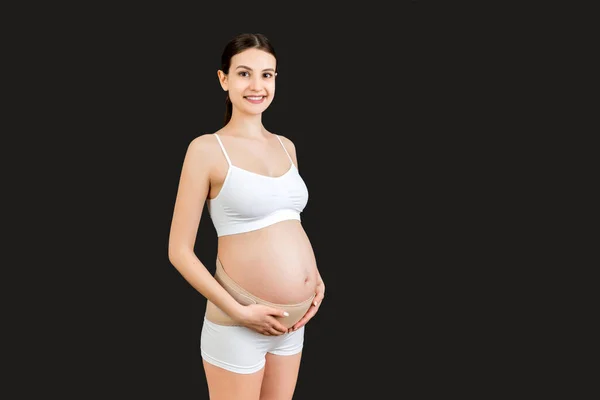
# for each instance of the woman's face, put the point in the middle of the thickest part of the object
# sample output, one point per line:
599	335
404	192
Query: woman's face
250	81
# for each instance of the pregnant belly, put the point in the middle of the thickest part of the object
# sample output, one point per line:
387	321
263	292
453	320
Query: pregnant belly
275	263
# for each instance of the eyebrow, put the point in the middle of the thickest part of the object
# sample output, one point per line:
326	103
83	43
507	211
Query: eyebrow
243	66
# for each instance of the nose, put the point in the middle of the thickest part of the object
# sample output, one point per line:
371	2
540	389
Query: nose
256	83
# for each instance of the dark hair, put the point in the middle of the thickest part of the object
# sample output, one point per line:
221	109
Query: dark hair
236	45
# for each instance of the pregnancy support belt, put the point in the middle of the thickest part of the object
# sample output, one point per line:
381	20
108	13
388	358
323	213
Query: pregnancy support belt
216	315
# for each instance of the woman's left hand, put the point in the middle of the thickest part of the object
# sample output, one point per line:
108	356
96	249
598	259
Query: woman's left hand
320	294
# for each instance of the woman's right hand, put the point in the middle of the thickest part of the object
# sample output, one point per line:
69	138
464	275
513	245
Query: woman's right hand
262	319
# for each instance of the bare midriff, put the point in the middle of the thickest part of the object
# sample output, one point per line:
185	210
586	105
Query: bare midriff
275	263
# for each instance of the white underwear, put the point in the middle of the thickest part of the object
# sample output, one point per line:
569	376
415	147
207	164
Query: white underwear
242	350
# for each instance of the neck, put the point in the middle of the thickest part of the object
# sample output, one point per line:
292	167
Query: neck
249	126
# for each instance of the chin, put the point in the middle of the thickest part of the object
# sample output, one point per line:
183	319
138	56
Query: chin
257	110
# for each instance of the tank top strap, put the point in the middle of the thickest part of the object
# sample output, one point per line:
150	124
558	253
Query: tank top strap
223	148
284	149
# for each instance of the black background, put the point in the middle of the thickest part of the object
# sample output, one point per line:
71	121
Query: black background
385	107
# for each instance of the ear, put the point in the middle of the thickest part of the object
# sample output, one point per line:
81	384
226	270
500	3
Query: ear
222	79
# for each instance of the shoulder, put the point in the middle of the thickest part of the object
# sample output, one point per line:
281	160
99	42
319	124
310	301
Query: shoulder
202	149
203	142
290	147
288	143
206	143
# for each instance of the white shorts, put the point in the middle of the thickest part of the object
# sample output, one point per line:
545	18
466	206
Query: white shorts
242	350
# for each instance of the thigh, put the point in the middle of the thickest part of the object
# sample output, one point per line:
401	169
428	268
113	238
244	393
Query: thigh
227	385
282	367
280	377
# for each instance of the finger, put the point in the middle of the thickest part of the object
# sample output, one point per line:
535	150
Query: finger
276	332
305	319
299	325
320	289
317	300
312	311
277	326
278	313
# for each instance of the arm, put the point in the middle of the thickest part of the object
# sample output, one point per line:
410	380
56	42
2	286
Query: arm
192	192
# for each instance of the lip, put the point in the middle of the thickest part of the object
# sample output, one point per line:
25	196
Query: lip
262	98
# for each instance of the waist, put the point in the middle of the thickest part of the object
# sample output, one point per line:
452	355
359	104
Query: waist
295	310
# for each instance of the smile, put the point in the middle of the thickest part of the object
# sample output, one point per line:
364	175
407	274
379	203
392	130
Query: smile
255	99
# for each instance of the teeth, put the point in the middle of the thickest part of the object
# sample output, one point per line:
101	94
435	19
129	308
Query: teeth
254	98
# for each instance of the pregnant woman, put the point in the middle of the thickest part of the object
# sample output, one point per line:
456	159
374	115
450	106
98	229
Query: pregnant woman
266	284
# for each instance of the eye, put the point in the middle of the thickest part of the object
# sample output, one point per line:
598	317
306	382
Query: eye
241	73
268	75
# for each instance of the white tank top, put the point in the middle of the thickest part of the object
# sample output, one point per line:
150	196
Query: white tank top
249	201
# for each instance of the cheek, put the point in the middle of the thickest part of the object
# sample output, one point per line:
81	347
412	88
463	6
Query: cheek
236	86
